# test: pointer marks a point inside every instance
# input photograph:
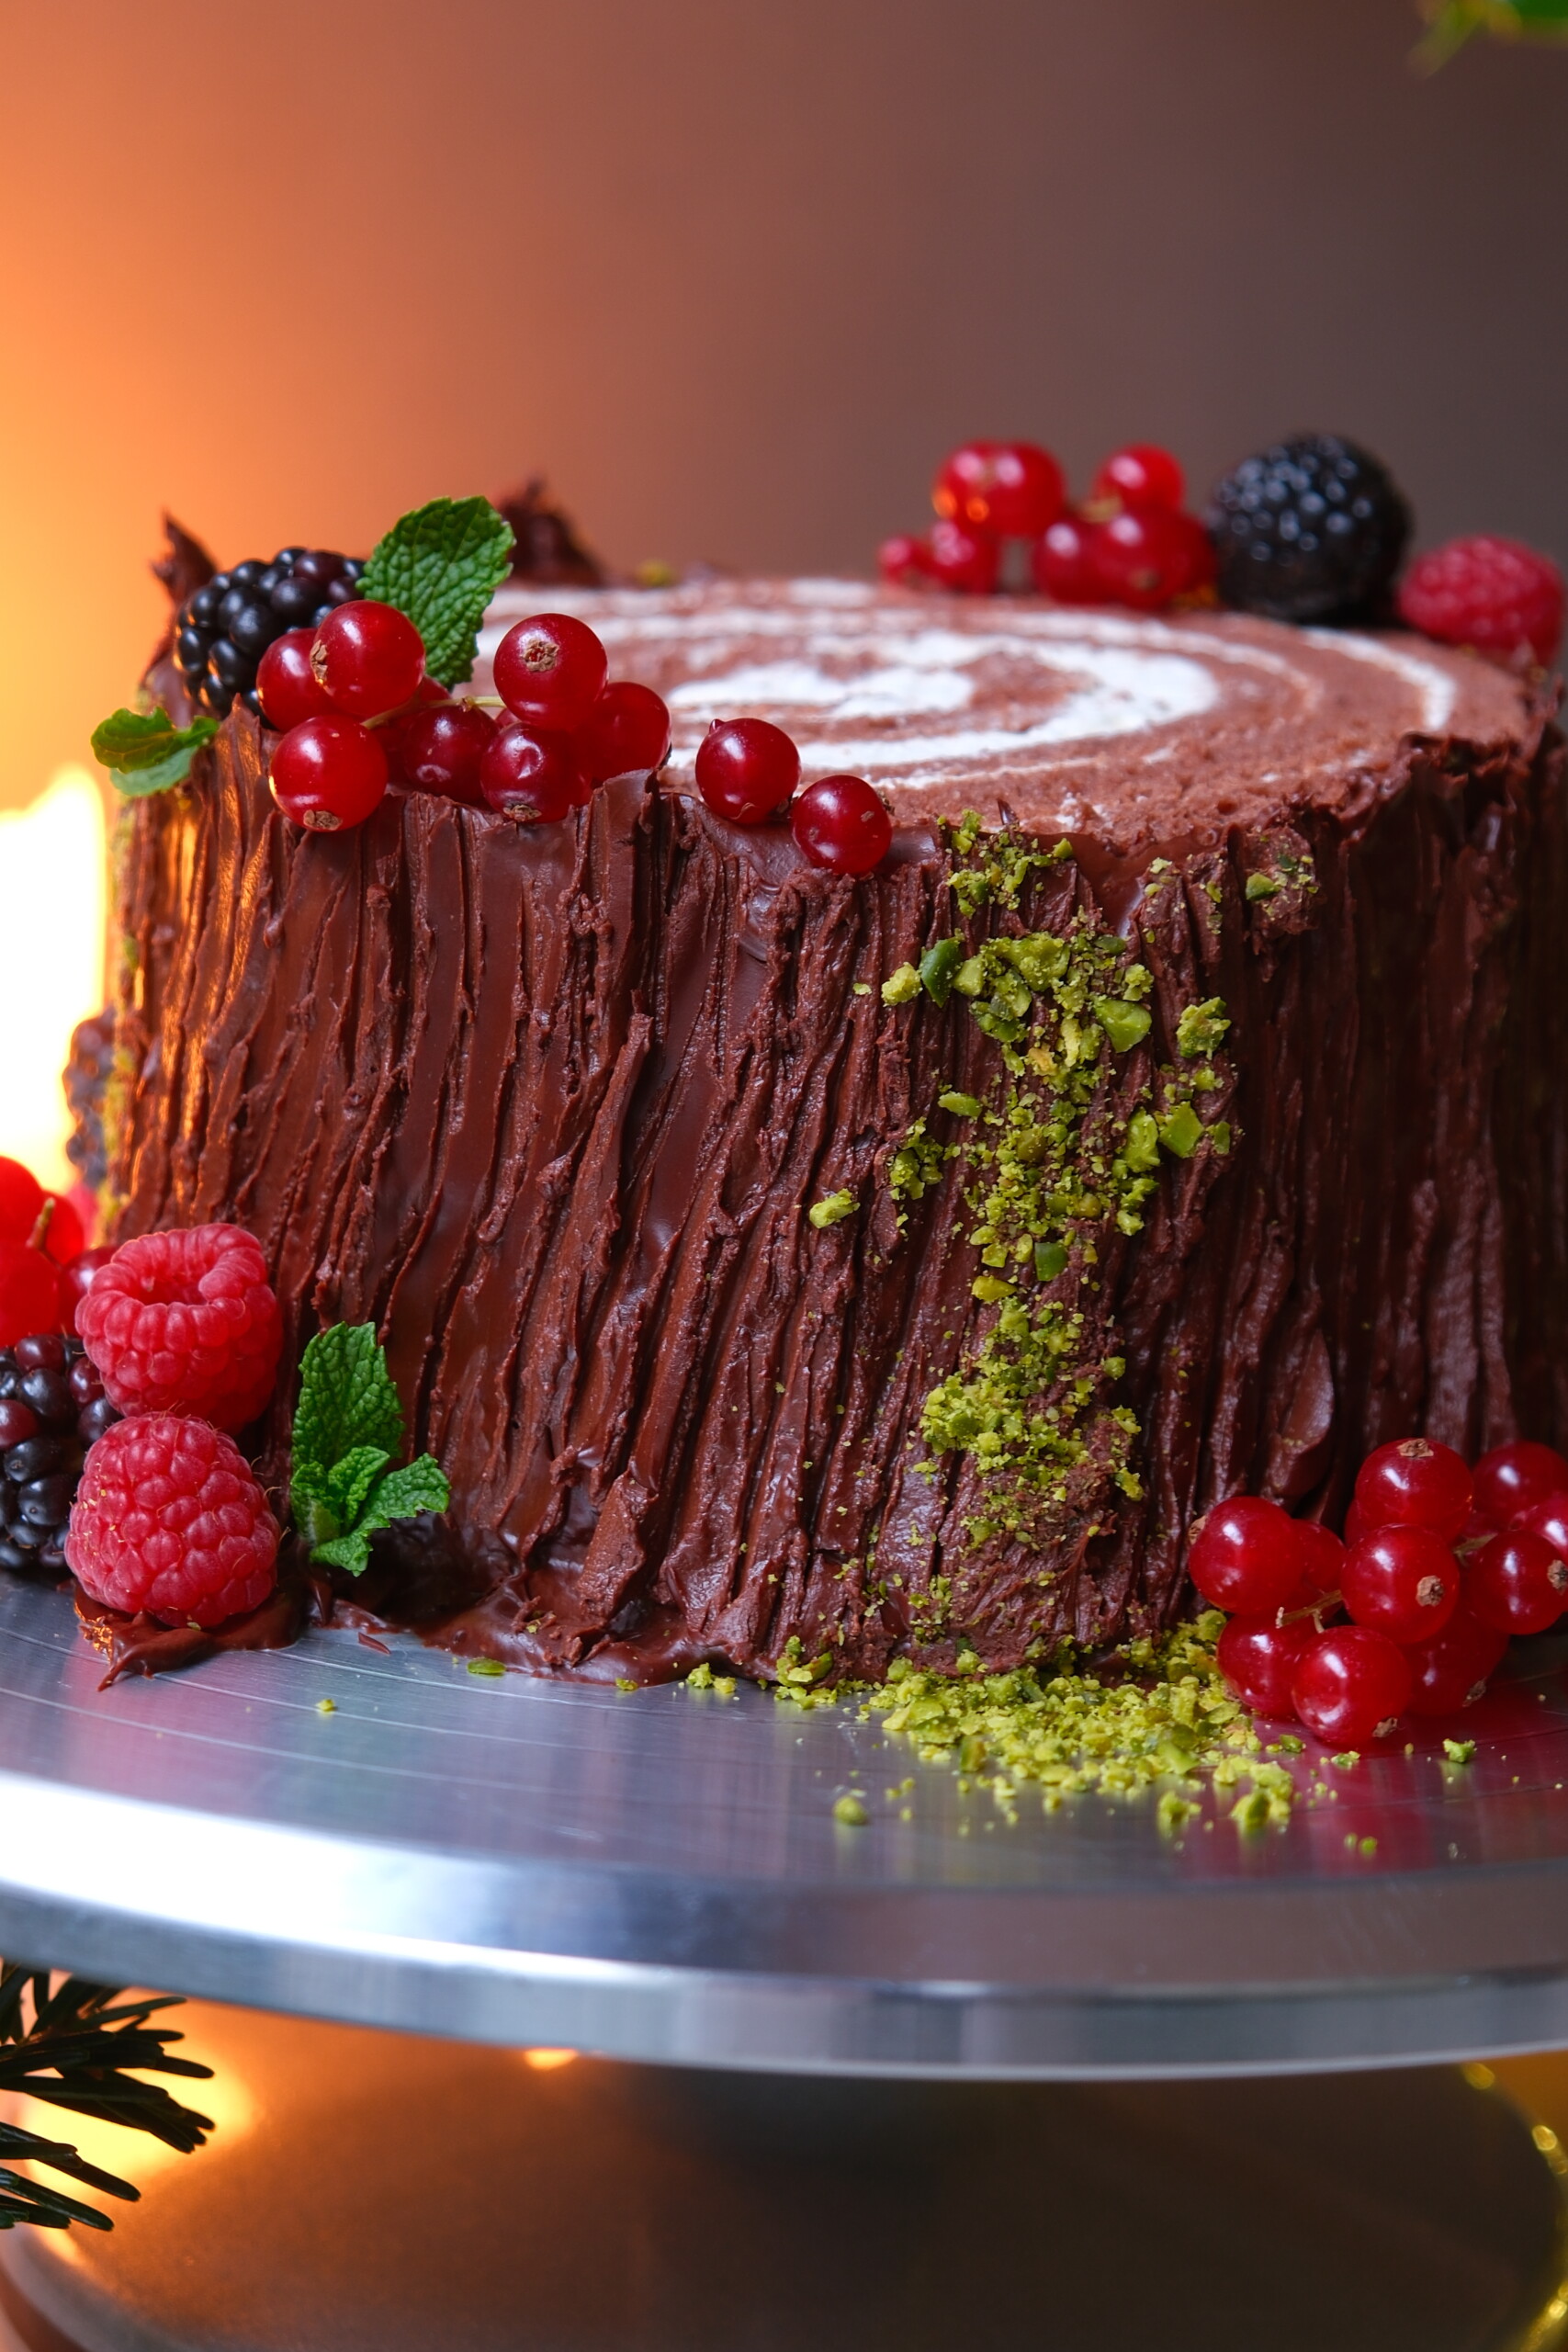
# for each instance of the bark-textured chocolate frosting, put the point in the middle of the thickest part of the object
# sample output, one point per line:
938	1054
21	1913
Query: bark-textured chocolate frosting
552	1108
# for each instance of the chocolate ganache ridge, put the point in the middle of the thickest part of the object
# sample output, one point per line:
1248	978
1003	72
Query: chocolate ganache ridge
549	1107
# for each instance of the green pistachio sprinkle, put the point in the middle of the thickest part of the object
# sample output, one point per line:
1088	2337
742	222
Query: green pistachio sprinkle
1201	1028
861	988
1182	1131
833	1210
486	1665
903	986
1125	1024
624	1682
850	1813
700	1677
1458	1751
1348	1762
963	1106
938	965
326	1706
1263	886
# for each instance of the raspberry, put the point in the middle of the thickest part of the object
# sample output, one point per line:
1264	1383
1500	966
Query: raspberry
1488	592
186	1323
168	1521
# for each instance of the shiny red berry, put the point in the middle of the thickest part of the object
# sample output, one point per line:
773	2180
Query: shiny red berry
747	770
1322	1556
964	560
1067	562
367	658
1549	1519
1146	556
21	1198
626	733
1516	1583
76	1280
1011	490
1404	1581
1454	1667
1352	1686
550	670
904	561
533	776
842	824
290	690
1414	1483
29	1292
1244	1555
1259	1658
327	773
62	1237
441	749
1140	476
1492	594
1512	1477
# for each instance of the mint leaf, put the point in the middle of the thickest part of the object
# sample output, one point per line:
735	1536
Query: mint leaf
347	1400
349	1481
441	565
400	1493
146	752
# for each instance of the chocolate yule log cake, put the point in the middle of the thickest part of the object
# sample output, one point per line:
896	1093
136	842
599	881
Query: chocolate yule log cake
896	1262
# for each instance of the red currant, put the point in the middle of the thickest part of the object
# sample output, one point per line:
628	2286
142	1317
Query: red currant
1549	1519
963	560
440	750
1322	1556
1511	1477
1402	1581
427	696
1352	1686
62	1237
1259	1658
550	670
904	561
626	733
368	658
1416	1483
76	1280
1067	562
1144	556
289	689
1516	1583
842	824
1010	489
1455	1666
1244	1555
29	1292
327	773
1140	476
533	776
21	1198
1355	1523
747	770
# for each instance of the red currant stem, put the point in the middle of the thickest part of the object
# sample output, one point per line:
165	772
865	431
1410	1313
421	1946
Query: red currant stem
39	1237
385	717
1313	1610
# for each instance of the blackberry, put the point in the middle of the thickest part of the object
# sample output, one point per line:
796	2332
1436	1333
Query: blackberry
1310	530
86	1075
222	630
52	1408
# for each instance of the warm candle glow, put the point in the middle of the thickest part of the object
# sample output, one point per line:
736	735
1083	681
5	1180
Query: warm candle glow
52	962
544	2062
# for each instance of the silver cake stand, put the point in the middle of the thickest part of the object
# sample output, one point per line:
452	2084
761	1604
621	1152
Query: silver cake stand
659	1876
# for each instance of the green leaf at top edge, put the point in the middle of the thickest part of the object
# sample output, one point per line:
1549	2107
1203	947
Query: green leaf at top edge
346	1401
441	565
146	752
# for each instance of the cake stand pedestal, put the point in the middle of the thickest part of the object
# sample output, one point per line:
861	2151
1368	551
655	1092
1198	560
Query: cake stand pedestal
659	1876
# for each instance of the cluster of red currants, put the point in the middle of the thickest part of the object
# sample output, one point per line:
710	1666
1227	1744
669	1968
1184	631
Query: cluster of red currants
357	712
1130	543
748	770
45	1270
1413	1611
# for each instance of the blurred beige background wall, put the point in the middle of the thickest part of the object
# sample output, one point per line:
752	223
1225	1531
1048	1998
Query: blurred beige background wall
733	272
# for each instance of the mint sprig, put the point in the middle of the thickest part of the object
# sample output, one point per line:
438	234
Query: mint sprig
1453	22
146	752
441	565
348	1425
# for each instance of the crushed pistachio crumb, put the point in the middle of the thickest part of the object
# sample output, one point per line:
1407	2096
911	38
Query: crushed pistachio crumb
486	1665
1458	1751
1263	886
700	1677
861	988
624	1682
1200	1028
903	986
326	1706
832	1210
850	1813
1347	1760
